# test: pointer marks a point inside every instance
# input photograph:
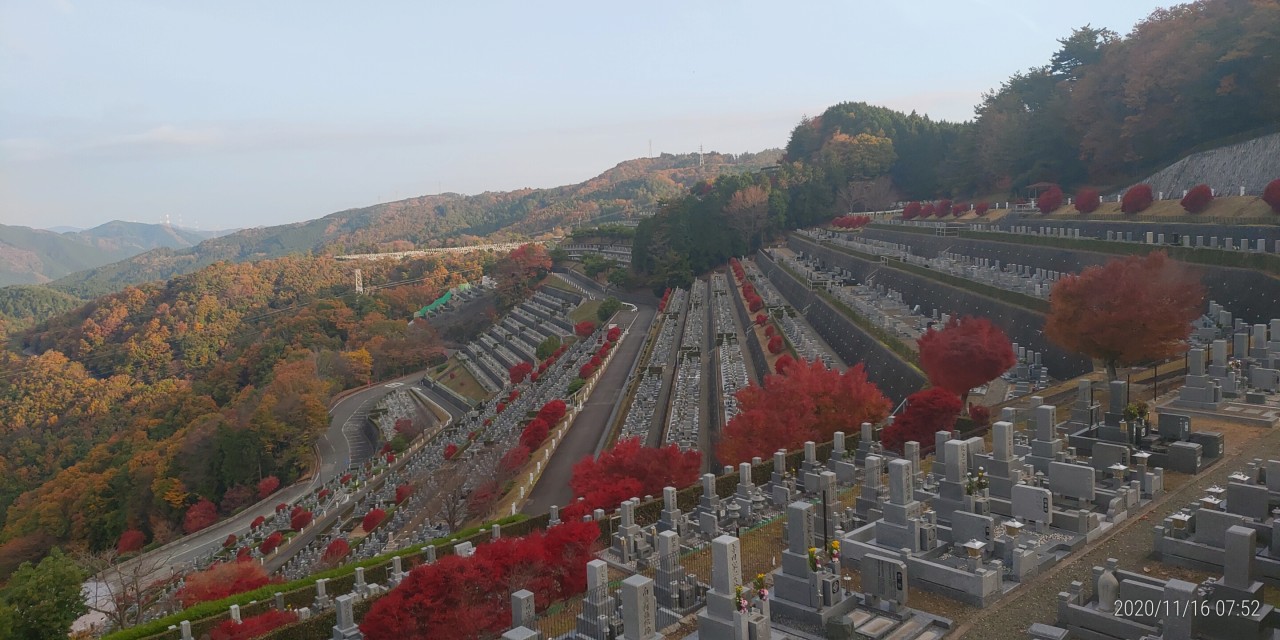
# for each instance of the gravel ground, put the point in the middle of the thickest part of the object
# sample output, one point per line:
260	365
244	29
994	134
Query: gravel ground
1131	545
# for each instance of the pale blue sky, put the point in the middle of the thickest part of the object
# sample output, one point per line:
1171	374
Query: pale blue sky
231	114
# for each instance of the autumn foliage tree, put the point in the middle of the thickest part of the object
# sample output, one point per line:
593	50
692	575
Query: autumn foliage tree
372	519
519	371
967	352
131	540
1137	199
982	208
299	521
200	515
403	492
942	208
776	345
1130	310
927	412
1088	200
584	329
1198	199
631	470
271	543
1271	195
1049	200
336	551
805	402
253	626
220	581
463	598
267	486
911	210
534	433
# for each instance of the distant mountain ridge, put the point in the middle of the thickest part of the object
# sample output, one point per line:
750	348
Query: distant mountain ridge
629	188
37	256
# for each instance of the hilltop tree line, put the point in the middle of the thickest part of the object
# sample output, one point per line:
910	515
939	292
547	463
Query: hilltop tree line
162	407
1104	110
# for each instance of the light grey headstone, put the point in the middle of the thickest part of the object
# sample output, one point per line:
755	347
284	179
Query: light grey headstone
800	522
1071	480
839	442
235	612
522	609
957	460
639	609
597	574
726	564
1046	419
186	630
900	481
940	439
346	617
1241	547
709	484
884	577
744	473
1195	362
779	461
867	432
628	511
1002	440
871	471
669	501
1033	504
668	544
911	451
811	452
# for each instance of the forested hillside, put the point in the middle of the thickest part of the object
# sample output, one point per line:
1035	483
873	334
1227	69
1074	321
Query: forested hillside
431	221
148	400
33	256
1103	111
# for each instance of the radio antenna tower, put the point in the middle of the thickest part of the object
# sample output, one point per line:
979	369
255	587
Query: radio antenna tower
699	156
359	282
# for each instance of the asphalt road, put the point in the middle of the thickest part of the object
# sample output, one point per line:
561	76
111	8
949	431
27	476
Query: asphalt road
591	424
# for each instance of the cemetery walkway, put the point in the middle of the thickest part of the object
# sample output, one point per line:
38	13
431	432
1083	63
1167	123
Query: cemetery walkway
589	426
1131	545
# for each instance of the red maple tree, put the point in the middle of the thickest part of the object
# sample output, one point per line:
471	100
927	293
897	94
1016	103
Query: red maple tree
614	334
1130	310
584	329
220	581
1088	200
776	345
514	459
965	353
631	470
252	627
519	371
300	521
942	209
271	543
230	541
1137	199
131	540
267	486
553	411
372	519
336	551
806	402
403	492
458	598
534	433
927	412
450	450
199	515
982	208
1198	199
911	210
1049	200
1271	195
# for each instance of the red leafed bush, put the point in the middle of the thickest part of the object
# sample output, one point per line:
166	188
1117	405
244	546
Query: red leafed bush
346	477
257	522
982	208
806	402
297	509
967	352
584	329
929	411
502	406
230	541
512	460
267	486
912	210
244	555
980	415
1049	200
614	334
782	363
586	370
631	470
220	581
450	450
534	433
1271	195
1088	200
199	516
403	492
391	458
457	597
553	411
271	543
1137	199
1197	199
959	209
324	493
942	209
336	551
776	345
926	210
755	304
373	519
300	521
519	371
252	627
283	506
131	540
770	331
761	319
386	447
